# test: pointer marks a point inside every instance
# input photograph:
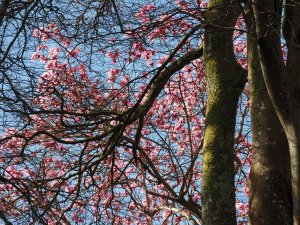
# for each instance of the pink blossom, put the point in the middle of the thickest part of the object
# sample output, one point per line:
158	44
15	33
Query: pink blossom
51	64
66	42
114	55
83	73
52	26
35	56
112	75
41	47
112	40
53	53
74	52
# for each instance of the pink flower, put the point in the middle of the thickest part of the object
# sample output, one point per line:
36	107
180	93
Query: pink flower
66	42
113	74
52	26
73	53
41	47
197	197
144	10
112	40
151	63
35	56
113	55
182	4
51	64
83	73
53	53
125	80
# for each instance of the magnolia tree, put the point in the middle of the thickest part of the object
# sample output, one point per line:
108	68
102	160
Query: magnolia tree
113	134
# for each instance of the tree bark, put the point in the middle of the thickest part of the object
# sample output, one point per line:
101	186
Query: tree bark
283	81
295	171
3	8
225	82
270	200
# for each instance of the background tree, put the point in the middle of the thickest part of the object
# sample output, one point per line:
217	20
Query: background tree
270	198
282	78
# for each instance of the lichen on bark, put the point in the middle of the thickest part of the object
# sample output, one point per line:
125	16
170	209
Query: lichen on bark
225	82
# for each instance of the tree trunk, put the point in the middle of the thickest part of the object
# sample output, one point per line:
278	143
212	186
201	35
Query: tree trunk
270	199
292	119
283	81
295	171
225	83
3	9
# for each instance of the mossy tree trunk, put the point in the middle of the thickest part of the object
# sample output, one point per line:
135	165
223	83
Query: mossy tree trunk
225	82
270	188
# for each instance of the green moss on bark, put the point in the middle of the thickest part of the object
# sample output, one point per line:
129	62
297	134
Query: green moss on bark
225	82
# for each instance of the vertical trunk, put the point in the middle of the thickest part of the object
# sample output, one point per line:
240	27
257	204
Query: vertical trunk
286	99
295	171
270	198
225	82
3	8
292	121
283	81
